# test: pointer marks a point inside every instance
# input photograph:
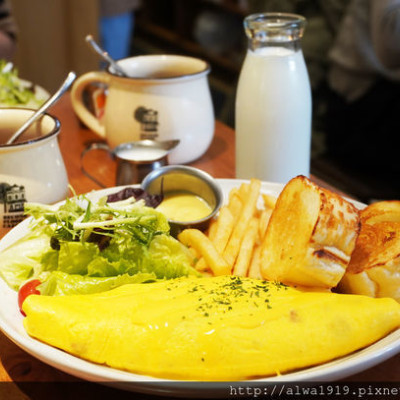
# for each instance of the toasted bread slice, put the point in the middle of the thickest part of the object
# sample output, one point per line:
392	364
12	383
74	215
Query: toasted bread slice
381	211
374	268
310	237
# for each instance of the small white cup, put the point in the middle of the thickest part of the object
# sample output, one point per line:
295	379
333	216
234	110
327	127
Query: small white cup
166	97
30	170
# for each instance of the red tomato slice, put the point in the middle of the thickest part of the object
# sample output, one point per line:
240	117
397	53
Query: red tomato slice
27	289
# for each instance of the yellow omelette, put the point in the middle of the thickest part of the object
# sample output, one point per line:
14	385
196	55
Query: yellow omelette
217	328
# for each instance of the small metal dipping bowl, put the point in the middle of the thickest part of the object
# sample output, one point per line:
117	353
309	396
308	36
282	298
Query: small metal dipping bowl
179	178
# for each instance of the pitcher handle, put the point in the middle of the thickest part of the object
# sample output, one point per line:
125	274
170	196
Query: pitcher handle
90	147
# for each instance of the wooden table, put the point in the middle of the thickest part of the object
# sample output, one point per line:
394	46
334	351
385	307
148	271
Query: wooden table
18	369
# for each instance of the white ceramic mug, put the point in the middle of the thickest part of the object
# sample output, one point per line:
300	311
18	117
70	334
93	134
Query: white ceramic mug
166	97
32	169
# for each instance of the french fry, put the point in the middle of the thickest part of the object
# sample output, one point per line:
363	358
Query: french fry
194	255
246	249
201	265
235	204
207	274
269	200
201	243
265	215
243	192
234	191
235	236
232	248
254	269
197	260
223	229
212	228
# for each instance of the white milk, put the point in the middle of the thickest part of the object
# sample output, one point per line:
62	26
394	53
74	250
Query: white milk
273	116
140	154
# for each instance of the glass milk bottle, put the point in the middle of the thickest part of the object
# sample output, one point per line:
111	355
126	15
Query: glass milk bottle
273	103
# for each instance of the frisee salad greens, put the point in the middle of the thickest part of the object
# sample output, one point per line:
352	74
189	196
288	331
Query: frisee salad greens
14	92
84	246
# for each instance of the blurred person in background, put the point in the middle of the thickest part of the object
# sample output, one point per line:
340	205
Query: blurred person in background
363	102
8	31
116	26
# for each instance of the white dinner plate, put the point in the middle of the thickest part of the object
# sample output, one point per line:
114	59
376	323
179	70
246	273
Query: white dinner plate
11	325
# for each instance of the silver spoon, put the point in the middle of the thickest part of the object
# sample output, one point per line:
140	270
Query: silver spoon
63	88
103	54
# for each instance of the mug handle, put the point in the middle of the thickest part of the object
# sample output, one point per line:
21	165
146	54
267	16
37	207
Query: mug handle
90	147
78	105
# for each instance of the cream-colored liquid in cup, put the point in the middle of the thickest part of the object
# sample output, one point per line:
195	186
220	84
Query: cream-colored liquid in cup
6	133
141	154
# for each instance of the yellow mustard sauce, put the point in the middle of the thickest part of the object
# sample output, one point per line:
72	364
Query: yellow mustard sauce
184	207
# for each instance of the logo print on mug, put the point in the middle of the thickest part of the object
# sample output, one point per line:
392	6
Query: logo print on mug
148	119
13	198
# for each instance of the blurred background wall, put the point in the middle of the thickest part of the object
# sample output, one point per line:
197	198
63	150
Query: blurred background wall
51	37
51	42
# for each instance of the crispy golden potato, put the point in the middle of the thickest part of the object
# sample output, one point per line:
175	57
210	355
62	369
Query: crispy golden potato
381	211
310	237
374	268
